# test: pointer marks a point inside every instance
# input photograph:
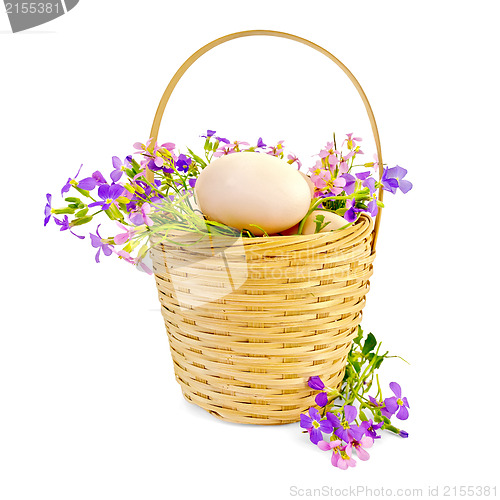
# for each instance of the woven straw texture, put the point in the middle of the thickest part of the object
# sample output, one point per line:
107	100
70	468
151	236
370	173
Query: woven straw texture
250	320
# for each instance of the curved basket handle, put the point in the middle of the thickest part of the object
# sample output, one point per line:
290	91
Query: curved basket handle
170	88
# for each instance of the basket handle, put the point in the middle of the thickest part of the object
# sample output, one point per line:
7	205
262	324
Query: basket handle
175	79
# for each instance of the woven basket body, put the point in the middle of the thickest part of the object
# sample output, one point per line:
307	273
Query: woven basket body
250	321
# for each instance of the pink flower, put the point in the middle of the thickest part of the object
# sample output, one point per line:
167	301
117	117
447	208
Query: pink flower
330	154
122	238
341	456
235	146
276	150
359	446
124	255
223	149
292	159
351	141
321	178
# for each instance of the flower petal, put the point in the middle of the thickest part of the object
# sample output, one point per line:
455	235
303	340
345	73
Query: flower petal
116	175
396	389
350	412
314	413
315	435
326	426
115	191
316	383
305	421
402	414
391	405
321	399
323	445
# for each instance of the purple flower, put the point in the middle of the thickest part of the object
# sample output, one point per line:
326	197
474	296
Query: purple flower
396	404
224	140
65	226
369	428
69	182
316	383
315	425
210	133
403	433
88	184
108	195
192	182
183	162
48	209
352	211
118	168
97	242
393	178
260	143
346	429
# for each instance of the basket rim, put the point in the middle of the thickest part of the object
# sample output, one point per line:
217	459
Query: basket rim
338	234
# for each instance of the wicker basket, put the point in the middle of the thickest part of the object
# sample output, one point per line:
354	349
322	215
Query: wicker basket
251	319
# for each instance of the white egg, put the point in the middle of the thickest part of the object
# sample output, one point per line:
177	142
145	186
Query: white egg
248	189
310	183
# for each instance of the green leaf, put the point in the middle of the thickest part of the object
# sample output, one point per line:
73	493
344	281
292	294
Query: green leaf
72	200
82	213
369	344
362	416
74	205
356	366
83	220
359	337
197	158
60	211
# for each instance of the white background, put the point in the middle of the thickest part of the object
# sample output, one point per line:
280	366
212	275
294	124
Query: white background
89	407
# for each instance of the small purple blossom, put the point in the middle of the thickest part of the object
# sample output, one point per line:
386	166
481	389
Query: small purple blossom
315	425
48	209
183	162
260	143
396	405
393	178
69	182
118	168
369	428
345	429
316	383
65	226
108	195
351	212
97	242
403	433
192	182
